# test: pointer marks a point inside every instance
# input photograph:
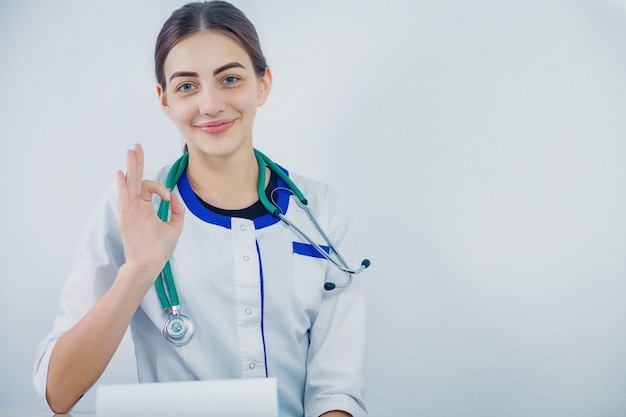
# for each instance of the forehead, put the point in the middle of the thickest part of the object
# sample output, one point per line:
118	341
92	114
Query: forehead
203	52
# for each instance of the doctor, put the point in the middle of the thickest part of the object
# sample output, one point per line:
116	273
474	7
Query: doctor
253	288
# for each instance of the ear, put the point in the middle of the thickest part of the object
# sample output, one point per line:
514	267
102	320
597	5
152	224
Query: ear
265	86
163	100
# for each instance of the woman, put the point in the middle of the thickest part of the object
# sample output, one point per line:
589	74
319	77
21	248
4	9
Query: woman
254	288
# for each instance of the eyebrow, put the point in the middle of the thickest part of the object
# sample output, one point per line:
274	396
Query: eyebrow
183	74
227	67
223	68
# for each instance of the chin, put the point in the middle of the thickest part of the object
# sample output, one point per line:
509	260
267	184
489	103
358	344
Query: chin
217	149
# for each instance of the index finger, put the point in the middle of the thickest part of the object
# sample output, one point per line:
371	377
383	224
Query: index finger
134	170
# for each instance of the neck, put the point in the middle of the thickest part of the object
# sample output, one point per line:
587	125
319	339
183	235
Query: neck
227	182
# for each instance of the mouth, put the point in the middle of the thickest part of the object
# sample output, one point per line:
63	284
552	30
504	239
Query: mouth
217	126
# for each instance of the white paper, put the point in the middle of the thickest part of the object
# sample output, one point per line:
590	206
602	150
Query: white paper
254	397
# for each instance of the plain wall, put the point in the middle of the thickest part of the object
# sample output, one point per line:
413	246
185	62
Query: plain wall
481	146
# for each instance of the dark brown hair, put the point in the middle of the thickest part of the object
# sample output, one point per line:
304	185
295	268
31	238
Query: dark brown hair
213	15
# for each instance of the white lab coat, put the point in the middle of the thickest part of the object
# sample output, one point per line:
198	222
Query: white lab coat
255	296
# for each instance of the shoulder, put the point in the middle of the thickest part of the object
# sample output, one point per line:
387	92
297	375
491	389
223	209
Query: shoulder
326	202
316	191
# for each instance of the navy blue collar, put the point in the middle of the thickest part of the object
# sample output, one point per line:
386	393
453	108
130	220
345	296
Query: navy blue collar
203	213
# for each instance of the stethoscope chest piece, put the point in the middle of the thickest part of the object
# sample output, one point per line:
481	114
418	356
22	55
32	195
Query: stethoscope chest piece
178	329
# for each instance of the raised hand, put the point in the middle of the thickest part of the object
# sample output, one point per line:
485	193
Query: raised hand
148	241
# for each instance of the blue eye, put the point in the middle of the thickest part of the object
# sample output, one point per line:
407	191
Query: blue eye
231	79
185	87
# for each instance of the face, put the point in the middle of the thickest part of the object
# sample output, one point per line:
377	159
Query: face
212	93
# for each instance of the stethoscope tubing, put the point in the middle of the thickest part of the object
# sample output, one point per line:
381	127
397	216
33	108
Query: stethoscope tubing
341	265
302	202
178	328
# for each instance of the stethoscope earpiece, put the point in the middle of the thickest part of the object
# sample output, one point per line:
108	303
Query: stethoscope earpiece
329	286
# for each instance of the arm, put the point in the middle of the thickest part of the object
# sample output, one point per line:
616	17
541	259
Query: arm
81	354
337	337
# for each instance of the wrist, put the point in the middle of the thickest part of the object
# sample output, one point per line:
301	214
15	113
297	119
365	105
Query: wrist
142	269
137	277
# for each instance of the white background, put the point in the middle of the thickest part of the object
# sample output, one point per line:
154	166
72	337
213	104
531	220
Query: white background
481	145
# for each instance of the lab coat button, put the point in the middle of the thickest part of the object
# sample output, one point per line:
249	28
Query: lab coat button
243	227
252	365
248	311
246	258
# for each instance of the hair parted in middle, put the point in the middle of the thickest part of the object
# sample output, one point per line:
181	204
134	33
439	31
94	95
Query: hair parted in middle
219	16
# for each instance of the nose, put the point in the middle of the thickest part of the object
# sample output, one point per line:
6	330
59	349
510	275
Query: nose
211	102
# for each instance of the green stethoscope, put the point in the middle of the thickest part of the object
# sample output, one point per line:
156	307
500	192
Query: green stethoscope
178	328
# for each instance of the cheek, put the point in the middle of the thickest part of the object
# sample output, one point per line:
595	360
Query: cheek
245	102
182	111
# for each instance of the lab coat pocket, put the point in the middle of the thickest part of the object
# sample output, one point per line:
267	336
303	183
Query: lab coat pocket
309	274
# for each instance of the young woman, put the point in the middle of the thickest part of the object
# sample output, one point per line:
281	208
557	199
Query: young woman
254	288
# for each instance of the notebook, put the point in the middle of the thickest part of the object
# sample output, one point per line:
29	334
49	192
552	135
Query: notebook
254	397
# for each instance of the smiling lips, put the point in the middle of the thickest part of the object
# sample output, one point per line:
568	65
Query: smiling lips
217	126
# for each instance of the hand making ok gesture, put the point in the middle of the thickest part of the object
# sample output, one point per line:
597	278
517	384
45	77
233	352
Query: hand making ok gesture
148	241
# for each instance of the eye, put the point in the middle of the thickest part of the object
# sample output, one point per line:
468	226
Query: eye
185	87
231	79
